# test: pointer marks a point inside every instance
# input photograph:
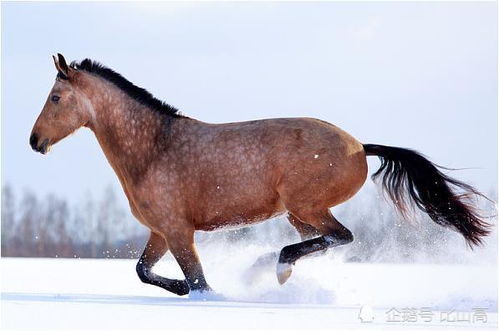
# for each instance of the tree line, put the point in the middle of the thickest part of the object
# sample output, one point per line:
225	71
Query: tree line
48	226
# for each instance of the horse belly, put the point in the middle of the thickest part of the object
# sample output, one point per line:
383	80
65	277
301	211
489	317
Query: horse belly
241	211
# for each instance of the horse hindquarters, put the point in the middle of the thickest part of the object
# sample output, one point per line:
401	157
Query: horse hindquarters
308	203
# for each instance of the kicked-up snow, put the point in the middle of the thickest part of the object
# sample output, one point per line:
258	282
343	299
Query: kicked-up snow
323	292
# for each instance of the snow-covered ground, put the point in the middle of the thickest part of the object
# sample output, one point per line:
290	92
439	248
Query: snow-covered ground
322	293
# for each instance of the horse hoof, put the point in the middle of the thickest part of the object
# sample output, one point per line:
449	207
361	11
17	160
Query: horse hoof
283	272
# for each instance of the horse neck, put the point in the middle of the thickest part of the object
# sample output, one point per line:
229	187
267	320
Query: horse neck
130	134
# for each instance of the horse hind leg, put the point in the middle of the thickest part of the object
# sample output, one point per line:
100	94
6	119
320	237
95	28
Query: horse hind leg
305	230
333	234
155	248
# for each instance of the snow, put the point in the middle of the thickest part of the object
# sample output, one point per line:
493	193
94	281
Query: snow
322	293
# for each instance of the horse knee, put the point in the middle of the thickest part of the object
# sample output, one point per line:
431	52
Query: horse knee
142	272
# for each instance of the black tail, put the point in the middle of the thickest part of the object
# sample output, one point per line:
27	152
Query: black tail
407	175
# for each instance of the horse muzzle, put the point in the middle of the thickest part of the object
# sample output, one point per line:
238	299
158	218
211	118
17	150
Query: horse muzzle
34	142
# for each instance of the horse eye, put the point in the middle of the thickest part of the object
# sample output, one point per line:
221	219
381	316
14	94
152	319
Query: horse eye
55	98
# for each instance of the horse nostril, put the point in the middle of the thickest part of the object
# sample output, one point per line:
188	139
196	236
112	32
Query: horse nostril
44	146
33	141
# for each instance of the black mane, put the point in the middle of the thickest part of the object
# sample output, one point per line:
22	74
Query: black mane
137	93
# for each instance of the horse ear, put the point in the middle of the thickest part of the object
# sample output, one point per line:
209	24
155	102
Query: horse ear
62	63
61	66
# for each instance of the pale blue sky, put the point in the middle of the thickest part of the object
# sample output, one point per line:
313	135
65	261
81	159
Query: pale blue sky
418	75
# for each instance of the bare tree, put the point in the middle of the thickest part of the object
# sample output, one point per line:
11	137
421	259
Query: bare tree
25	231
8	219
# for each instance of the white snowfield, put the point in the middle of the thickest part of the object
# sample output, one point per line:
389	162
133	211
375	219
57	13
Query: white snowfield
322	293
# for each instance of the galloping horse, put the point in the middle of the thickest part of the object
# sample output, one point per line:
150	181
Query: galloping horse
181	175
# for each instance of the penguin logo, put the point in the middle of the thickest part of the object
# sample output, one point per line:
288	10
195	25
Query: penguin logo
366	314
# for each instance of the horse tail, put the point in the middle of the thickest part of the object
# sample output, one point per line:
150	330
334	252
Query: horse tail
411	179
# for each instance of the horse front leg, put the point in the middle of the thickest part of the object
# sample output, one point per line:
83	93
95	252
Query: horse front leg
155	248
181	244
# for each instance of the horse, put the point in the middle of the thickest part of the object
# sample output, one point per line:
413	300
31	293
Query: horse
182	175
